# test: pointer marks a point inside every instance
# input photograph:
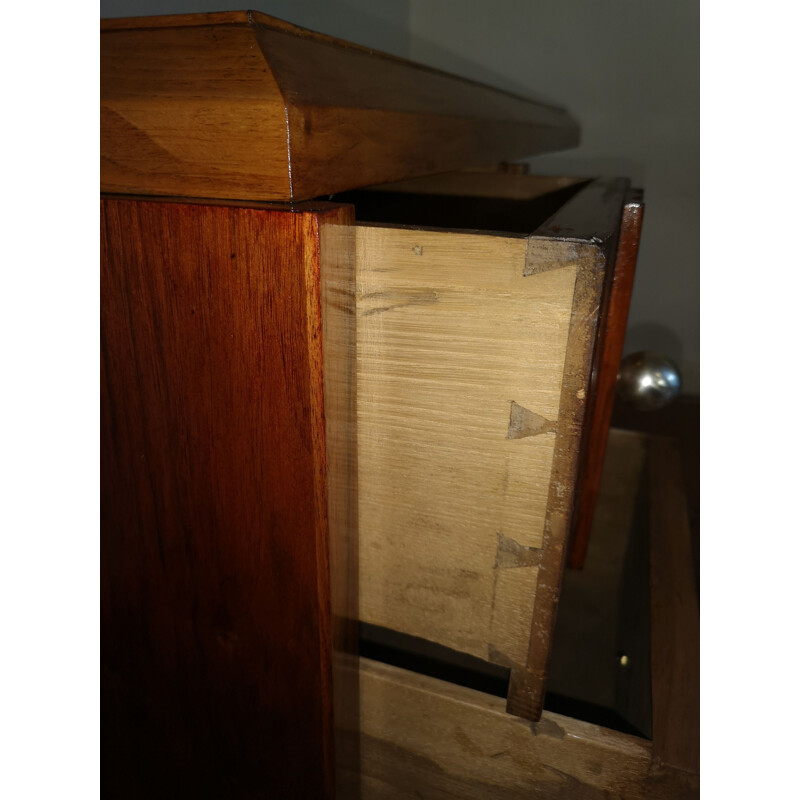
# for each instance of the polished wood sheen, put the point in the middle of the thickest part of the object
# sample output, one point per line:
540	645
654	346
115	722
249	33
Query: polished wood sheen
241	105
217	630
675	610
607	361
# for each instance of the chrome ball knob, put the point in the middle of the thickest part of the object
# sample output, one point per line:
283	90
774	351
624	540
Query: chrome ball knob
648	381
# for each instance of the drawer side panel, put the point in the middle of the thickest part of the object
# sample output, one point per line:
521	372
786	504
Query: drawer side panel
460	369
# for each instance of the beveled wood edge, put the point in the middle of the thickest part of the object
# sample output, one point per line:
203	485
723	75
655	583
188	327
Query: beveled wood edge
259	19
487	122
174	21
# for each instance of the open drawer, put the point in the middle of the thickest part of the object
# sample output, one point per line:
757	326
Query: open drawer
477	326
421	736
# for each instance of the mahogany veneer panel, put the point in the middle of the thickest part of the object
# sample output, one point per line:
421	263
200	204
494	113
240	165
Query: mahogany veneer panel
216	592
609	355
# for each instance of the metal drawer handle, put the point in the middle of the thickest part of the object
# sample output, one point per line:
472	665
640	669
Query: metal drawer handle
648	381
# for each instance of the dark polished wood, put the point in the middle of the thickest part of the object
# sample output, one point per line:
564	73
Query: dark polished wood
675	615
680	420
216	591
607	360
592	215
242	105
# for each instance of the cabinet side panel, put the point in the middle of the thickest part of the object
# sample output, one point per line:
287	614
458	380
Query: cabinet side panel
215	611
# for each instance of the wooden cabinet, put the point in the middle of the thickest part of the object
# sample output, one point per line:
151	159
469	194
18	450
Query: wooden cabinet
334	392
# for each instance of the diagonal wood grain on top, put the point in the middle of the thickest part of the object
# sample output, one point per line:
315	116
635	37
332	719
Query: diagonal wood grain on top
244	106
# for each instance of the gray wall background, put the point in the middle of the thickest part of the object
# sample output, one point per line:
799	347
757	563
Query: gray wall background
627	69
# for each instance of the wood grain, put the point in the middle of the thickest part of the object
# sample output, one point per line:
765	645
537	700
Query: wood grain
475	361
190	111
216	596
337	308
241	105
607	363
421	737
585	230
675	610
460	370
527	686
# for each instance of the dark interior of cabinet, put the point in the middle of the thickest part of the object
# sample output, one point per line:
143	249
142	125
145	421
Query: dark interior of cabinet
600	667
455	212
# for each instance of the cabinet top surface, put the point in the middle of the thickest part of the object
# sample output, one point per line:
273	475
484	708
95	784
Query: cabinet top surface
240	105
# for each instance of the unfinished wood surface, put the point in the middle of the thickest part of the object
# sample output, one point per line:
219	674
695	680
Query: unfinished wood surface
241	105
610	342
474	355
215	578
460	360
421	737
675	609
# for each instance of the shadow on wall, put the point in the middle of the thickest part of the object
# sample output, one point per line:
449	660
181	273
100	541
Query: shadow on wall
652	336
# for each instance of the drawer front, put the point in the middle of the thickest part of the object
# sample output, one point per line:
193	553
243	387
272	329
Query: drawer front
474	365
